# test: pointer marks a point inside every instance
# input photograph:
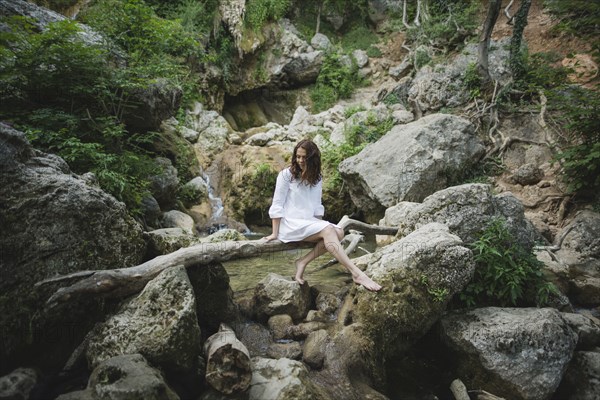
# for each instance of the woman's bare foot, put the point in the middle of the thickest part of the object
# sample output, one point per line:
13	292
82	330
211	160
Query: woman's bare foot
367	282
299	272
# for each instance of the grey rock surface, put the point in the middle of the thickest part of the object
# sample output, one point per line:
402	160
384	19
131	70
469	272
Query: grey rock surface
517	353
160	323
411	162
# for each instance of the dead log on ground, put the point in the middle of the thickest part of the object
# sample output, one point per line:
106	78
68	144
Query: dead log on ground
228	365
459	390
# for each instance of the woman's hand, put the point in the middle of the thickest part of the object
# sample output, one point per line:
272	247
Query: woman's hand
272	236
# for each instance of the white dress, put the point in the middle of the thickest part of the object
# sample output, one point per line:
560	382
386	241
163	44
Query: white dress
298	205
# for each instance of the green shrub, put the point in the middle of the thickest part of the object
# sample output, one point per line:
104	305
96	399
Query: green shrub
374	52
506	273
156	47
573	109
356	138
392	98
472	80
190	195
368	132
578	111
350	111
422	57
259	12
578	17
323	97
335	81
359	37
111	153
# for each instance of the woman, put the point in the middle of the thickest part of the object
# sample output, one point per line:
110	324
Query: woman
296	213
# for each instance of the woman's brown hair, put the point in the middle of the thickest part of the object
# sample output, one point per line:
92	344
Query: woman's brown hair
312	173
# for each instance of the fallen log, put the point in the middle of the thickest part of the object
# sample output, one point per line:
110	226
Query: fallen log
228	365
459	390
123	282
483	395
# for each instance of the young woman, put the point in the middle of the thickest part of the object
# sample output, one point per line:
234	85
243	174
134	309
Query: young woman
296	214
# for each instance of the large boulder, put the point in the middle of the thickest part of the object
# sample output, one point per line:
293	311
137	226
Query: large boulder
160	323
214	297
434	87
151	105
411	162
18	384
581	379
467	210
41	17
178	219
514	353
212	140
587	329
167	240
283	61
164	184
277	295
580	251
126	376
53	223
420	273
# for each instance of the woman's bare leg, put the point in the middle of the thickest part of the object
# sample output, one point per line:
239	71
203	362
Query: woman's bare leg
330	238
316	252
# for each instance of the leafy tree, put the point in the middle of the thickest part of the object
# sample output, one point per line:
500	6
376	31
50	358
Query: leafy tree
136	28
60	91
444	23
53	68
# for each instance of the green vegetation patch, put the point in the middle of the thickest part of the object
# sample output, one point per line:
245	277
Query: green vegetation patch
506	273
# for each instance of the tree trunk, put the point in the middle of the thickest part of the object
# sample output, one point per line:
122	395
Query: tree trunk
417	21
484	40
517	66
127	281
319	8
507	12
228	365
404	16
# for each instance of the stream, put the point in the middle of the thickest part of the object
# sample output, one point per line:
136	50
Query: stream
246	273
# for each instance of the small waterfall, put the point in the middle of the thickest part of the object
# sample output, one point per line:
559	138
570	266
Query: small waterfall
215	202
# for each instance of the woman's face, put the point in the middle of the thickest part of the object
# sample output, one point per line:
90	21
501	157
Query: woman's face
301	157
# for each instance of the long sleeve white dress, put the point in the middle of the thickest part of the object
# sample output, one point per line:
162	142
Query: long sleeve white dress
298	205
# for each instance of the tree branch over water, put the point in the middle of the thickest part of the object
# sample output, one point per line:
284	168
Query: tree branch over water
127	281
